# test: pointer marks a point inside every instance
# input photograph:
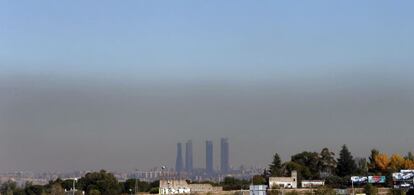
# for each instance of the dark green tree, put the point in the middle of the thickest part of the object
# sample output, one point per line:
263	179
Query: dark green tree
372	168
327	162
258	180
101	181
302	171
346	163
310	160
362	166
275	168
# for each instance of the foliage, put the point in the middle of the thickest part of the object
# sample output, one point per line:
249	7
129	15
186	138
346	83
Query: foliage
410	156
396	163
231	183
104	182
154	190
94	192
259	180
382	162
56	189
327	162
372	167
275	168
303	172
310	164
362	166
346	163
8	186
337	182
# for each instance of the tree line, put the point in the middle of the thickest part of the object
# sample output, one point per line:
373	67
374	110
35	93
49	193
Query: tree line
309	165
94	183
337	171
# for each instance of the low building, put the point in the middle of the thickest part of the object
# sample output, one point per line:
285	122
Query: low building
312	183
284	182
258	189
174	186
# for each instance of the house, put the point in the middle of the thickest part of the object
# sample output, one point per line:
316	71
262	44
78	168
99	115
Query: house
284	182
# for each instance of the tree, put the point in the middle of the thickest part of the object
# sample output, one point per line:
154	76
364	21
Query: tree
9	187
372	168
259	180
56	189
327	162
104	182
276	167
310	160
397	163
410	156
382	162
362	166
303	172
346	163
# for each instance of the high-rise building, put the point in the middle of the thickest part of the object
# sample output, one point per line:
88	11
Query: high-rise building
224	154
189	156
209	157
179	160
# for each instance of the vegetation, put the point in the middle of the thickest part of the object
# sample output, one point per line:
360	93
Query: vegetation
309	165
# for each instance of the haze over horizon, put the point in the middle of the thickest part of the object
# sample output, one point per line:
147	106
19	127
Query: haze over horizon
100	84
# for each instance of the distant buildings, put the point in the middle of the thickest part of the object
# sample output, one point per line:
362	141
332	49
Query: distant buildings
209	158
189	156
188	169
179	159
224	154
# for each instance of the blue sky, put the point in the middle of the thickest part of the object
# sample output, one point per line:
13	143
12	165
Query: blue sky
213	40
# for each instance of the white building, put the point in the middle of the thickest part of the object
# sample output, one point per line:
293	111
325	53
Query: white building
284	182
175	186
258	189
312	183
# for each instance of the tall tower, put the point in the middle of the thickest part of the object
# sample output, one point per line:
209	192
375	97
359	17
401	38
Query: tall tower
209	157
189	156
224	154
179	160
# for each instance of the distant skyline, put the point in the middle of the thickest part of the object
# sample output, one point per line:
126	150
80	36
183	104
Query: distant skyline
115	85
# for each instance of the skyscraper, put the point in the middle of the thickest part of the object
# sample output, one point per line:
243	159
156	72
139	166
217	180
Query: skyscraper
209	157
189	156
224	154
179	160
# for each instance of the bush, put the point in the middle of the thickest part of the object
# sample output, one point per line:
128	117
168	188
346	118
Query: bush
337	182
154	190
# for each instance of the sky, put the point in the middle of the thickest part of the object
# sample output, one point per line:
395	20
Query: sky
115	85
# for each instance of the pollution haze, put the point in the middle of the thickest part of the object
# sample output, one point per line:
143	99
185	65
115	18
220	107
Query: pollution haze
109	85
